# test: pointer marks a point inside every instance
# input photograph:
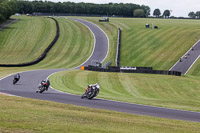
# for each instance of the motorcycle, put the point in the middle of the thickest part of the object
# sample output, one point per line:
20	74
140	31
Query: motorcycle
15	80
42	87
91	92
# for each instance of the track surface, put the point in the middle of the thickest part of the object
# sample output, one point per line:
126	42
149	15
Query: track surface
30	80
188	59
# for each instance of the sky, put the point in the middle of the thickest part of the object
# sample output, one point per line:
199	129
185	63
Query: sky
179	8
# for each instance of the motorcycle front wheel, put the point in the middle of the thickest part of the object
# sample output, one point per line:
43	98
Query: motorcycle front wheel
90	94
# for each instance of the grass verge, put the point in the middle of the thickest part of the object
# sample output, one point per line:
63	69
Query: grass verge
42	116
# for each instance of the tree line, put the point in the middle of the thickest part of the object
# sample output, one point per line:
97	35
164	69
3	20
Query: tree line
126	10
194	15
7	9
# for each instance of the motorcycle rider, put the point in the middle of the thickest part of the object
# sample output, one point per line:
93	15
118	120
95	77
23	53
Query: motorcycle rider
45	83
17	77
92	86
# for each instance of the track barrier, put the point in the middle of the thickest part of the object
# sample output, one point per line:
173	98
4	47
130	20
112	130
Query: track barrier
148	70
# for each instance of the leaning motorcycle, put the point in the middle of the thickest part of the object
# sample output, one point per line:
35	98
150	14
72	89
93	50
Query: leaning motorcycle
15	80
91	92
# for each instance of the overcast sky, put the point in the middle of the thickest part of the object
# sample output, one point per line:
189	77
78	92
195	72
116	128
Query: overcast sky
178	7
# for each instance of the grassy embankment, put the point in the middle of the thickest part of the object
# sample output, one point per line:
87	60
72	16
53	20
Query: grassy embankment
26	39
194	71
74	46
159	48
26	115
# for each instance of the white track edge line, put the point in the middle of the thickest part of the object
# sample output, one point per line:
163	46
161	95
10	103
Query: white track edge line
192	65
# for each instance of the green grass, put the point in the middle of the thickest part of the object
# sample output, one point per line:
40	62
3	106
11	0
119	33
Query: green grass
73	47
195	69
28	115
159	48
26	39
157	90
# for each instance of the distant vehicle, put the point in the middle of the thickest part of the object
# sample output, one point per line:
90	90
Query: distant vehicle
91	91
27	14
17	14
106	19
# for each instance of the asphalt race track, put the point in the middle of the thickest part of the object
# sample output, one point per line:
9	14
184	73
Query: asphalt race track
29	81
188	59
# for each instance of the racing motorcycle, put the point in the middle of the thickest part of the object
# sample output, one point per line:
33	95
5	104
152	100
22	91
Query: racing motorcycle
42	87
91	91
15	80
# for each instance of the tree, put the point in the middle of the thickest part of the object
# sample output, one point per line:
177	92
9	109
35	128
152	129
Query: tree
198	14
192	15
146	9
7	8
138	13
166	13
157	12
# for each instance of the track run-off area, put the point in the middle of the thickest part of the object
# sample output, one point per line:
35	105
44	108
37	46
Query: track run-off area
30	80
